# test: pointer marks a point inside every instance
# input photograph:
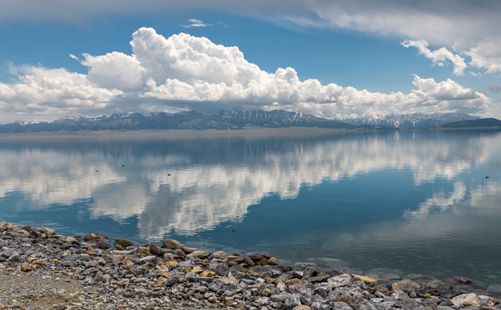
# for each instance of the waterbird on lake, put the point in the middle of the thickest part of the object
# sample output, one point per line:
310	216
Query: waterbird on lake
487	177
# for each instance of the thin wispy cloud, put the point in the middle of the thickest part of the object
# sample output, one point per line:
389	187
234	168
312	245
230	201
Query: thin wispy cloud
195	23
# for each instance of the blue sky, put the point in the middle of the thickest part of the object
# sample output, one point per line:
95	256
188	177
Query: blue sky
348	56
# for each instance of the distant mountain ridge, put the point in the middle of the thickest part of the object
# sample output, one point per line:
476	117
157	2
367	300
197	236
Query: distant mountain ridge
236	119
477	123
412	121
223	119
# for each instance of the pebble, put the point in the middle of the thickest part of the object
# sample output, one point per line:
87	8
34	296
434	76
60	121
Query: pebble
174	276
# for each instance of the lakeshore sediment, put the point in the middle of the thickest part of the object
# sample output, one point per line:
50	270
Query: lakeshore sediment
40	269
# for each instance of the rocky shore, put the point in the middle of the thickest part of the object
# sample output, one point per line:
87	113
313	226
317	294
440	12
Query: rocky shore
40	269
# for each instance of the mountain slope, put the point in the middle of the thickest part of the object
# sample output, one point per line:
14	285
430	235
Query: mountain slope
236	119
411	121
477	123
224	119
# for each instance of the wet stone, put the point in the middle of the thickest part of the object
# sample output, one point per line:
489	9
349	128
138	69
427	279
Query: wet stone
176	277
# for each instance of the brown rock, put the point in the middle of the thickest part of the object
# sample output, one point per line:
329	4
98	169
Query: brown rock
219	254
172	244
368	280
259	257
90	237
122	244
154	249
320	278
262	262
35	261
188	250
26	268
248	261
199	254
208	274
293	281
170	263
346	299
273	261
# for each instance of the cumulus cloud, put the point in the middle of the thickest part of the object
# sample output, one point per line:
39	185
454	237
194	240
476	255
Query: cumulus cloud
438	56
51	93
184	70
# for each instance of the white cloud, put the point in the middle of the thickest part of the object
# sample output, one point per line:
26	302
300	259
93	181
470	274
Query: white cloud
471	27
115	71
186	70
438	56
41	92
463	25
486	54
195	23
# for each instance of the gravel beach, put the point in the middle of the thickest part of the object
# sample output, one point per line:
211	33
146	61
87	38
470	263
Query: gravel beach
40	269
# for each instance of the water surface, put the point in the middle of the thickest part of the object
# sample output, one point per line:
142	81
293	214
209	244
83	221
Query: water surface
413	202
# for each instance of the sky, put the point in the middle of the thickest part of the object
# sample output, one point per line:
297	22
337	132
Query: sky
334	59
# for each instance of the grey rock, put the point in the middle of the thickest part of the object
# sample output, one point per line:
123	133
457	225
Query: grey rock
339	305
281	297
220	267
292	300
340	280
320	306
103	245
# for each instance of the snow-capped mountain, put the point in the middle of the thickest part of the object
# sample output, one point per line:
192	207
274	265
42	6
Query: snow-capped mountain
223	119
414	120
234	119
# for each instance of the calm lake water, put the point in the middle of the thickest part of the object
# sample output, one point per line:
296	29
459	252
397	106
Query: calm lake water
412	202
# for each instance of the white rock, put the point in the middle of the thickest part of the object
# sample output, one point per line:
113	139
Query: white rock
341	280
463	300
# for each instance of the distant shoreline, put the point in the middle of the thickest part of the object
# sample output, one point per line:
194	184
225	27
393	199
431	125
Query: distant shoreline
177	133
213	133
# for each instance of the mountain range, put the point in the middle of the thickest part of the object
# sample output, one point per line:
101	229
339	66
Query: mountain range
236	119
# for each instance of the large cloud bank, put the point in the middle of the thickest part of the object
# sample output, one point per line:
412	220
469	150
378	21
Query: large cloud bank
184	71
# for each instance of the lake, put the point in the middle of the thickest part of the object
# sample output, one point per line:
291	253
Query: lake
395	202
